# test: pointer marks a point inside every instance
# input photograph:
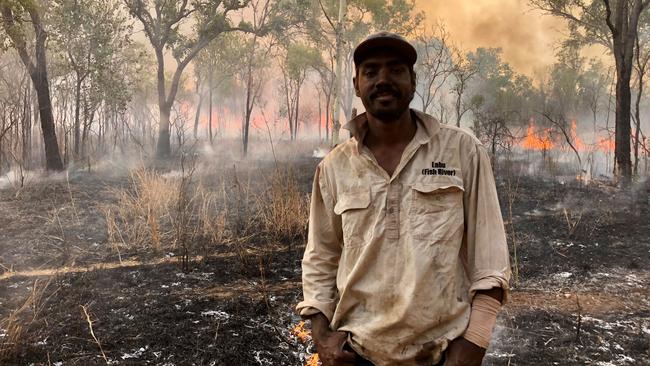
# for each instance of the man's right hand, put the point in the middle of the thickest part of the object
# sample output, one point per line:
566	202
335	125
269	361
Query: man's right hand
329	344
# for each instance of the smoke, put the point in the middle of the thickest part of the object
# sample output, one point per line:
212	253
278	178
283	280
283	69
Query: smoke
526	36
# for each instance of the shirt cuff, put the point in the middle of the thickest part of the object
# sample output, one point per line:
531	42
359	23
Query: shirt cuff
486	280
310	307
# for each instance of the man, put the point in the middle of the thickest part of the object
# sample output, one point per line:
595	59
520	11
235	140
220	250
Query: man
406	261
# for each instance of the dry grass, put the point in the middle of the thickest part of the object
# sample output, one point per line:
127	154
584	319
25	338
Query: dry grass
15	328
192	211
283	209
141	216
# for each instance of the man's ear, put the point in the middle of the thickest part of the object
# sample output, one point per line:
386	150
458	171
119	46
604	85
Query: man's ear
356	86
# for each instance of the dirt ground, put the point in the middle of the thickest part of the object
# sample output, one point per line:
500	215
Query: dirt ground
581	295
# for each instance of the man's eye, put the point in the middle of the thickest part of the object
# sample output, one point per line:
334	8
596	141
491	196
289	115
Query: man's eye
370	73
397	70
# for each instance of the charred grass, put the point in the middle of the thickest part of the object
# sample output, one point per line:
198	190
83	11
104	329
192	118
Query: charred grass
199	264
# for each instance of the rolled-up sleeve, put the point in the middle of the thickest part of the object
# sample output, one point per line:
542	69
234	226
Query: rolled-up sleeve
321	259
486	252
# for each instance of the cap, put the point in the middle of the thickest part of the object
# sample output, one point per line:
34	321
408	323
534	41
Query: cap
385	40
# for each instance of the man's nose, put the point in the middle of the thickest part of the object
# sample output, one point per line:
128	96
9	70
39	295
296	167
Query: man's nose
384	75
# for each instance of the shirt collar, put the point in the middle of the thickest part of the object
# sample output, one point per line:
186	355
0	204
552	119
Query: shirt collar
428	127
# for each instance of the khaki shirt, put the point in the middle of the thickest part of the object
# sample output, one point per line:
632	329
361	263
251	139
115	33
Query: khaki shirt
395	261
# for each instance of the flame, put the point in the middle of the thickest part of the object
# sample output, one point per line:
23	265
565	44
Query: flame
577	142
606	144
301	333
313	360
537	140
542	140
304	336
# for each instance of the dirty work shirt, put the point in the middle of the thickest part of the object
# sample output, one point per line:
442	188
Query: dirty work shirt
395	261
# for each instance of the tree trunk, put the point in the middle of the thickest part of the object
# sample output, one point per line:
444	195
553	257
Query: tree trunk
328	100
295	114
336	124
637	121
320	118
210	110
624	33
77	124
197	116
38	74
623	128
27	128
52	155
163	146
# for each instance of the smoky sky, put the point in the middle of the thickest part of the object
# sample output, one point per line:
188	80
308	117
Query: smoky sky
527	37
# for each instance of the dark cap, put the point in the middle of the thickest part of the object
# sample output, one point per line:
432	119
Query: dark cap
385	41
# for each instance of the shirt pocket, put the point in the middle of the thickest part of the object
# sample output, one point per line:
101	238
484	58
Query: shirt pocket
354	208
436	212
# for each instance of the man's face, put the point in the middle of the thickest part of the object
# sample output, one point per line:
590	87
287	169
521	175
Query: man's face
385	85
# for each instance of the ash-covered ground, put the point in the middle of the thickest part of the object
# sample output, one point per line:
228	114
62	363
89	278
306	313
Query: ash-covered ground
69	296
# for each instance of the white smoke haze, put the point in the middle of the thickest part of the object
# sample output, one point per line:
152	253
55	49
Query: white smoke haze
527	38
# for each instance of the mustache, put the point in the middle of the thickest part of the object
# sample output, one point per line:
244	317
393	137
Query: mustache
383	90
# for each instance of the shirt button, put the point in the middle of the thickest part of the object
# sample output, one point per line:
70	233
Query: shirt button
390	210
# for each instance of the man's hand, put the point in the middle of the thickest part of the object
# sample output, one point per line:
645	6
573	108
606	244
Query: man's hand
462	352
329	344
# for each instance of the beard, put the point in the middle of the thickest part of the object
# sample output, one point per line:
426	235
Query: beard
387	103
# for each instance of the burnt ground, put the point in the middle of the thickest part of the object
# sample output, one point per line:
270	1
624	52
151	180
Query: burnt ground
581	296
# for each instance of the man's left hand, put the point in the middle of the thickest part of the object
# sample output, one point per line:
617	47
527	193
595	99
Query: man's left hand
462	352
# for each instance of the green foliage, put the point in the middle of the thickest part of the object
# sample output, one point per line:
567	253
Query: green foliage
497	90
300	58
166	22
220	61
91	39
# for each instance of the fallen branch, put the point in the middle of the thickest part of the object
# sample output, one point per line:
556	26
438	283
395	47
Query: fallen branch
92	333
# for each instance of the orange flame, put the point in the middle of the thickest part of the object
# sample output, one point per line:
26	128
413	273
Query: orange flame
537	140
304	336
577	142
301	333
606	145
313	360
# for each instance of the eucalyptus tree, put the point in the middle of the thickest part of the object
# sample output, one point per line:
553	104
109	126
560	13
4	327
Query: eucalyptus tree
166	25
500	99
614	24
89	33
434	65
25	26
463	71
561	103
295	64
215	68
594	83
641	65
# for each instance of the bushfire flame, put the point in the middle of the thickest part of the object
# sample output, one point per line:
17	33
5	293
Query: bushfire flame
313	360
304	336
301	333
537	139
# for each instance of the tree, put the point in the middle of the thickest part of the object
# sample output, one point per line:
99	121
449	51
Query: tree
499	98
463	71
15	25
297	61
163	22
90	33
613	24
641	63
216	65
434	65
